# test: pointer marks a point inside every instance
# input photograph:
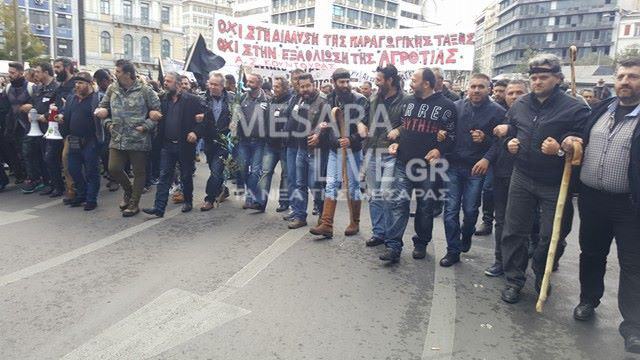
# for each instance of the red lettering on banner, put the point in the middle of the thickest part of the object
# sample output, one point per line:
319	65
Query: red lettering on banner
451	59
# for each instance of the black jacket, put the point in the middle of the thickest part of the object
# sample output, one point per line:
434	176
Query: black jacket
485	117
357	106
43	97
634	163
216	130
190	106
531	123
381	115
278	117
71	104
305	117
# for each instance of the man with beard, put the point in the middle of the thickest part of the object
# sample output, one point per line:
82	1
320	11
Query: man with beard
17	100
366	89
417	150
609	201
132	109
178	131
291	146
217	117
85	138
469	161
355	108
252	134
502	168
304	153
275	149
64	69
102	78
43	100
498	92
539	122
382	126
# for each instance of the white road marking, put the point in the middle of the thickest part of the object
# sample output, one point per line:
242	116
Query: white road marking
442	317
177	316
7	218
66	257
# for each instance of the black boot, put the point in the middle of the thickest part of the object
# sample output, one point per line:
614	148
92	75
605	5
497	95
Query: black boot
391	256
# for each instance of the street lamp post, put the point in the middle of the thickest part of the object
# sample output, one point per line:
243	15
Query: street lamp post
18	30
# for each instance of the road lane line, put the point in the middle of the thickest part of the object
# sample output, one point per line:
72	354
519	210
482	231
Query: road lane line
438	343
177	316
84	250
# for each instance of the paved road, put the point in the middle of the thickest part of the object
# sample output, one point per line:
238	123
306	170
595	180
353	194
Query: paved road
230	284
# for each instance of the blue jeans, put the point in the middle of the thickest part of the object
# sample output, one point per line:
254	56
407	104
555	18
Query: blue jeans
334	173
298	165
398	206
463	190
250	152
169	156
379	178
87	182
215	160
273	155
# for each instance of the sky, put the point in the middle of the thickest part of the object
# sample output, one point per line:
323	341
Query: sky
457	12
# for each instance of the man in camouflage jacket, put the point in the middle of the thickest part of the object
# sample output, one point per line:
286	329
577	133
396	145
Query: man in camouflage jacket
132	108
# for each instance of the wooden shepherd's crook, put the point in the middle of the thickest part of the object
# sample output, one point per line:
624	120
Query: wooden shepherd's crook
338	114
572	159
573	53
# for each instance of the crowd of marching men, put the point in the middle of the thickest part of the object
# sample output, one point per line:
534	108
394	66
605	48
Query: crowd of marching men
502	145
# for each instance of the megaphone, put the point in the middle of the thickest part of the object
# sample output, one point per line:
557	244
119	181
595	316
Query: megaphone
35	127
53	131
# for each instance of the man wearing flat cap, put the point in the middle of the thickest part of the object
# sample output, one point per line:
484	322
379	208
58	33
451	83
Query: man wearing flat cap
538	123
85	138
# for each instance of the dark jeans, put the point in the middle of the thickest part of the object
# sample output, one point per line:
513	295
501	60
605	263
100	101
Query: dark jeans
215	160
33	157
170	155
250	152
488	198
154	161
463	191
500	197
604	216
10	155
524	194
398	203
84	169
273	155
53	156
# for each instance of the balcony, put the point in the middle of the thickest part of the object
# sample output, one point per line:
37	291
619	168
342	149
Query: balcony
127	20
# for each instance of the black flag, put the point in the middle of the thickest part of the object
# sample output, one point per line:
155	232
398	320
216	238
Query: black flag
201	61
160	72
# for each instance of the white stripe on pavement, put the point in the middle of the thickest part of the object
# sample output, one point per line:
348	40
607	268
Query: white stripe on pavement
441	330
61	259
177	316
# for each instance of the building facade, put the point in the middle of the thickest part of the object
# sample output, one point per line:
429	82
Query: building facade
348	14
485	39
142	31
628	36
553	26
55	22
198	18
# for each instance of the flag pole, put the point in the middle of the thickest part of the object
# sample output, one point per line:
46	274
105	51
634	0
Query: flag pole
193	48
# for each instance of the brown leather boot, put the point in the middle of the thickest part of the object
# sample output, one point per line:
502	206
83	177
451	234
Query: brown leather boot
326	228
354	225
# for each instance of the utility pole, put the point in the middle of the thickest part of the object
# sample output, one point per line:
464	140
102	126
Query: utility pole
18	30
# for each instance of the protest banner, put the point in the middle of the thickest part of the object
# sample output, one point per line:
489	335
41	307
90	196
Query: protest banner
275	46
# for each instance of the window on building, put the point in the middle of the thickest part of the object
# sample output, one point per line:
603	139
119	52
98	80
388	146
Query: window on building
65	47
105	42
166	15
636	31
311	13
627	30
352	14
145	49
380	5
166	49
128	46
338	11
105	7
144	13
127	9
63	21
390	23
392	8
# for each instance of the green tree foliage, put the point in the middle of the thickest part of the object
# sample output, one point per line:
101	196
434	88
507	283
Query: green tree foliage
32	46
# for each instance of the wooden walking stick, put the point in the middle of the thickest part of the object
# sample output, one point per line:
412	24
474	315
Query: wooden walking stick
573	53
338	114
572	159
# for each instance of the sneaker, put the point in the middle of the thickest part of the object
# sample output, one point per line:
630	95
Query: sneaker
296	224
494	270
56	193
510	295
40	187
288	217
29	187
46	191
